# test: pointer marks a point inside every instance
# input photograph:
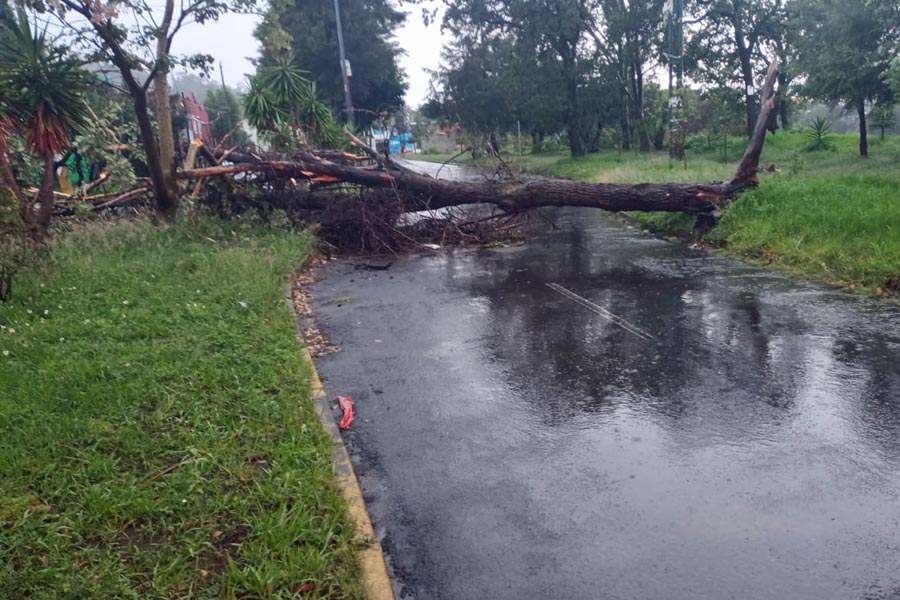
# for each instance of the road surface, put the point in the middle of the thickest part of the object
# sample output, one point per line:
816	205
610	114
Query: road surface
602	414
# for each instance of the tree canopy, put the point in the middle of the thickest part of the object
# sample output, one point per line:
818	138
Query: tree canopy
305	33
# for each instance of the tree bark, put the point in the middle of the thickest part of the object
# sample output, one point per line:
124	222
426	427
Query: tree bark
783	101
166	200
744	57
415	191
164	109
638	94
863	132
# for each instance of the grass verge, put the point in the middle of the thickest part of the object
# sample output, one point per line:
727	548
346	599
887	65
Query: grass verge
829	216
158	435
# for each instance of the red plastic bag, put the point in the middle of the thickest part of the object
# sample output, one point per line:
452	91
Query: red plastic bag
346	404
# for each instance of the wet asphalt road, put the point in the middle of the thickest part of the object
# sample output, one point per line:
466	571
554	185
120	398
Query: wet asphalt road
601	414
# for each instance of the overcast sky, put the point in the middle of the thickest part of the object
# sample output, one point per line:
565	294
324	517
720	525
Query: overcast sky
231	41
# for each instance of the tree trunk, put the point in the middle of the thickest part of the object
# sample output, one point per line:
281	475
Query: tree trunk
625	122
166	201
537	140
576	143
164	109
863	133
576	139
783	101
744	57
638	94
166	198
413	191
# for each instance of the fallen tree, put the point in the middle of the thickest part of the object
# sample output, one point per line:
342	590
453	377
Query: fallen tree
363	198
512	196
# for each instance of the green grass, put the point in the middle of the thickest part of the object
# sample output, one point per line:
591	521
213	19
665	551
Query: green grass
826	215
138	348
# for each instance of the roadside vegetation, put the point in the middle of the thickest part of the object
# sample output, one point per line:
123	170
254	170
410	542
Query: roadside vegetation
159	438
821	214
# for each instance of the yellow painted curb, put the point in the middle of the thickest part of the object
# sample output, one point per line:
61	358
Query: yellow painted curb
375	577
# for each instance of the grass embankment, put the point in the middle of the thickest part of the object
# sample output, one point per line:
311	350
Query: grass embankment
827	215
138	349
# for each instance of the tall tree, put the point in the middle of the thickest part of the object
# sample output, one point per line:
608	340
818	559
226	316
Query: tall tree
845	51
306	30
558	32
728	46
628	37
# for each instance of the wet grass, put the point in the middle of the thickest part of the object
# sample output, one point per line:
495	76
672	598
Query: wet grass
829	215
157	434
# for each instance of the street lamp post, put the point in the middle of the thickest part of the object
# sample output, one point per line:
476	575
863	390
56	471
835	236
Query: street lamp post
345	65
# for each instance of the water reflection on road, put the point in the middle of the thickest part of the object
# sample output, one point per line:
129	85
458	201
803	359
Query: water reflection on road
519	443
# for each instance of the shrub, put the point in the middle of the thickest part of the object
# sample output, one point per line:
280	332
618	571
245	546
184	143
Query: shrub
818	135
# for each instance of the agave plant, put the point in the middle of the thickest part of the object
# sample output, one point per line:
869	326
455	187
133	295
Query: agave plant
818	135
42	98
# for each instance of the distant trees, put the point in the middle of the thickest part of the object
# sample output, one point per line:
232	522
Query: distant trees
306	31
729	46
225	115
545	60
580	65
845	50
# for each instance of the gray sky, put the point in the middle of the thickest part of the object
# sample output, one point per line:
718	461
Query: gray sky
231	41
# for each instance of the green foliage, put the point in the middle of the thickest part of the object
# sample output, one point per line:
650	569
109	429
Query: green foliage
844	50
822	215
96	142
225	115
17	253
841	228
882	117
283	105
818	135
41	88
305	34
139	348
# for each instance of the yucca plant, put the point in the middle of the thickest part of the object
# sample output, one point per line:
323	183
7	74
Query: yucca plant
283	104
818	135
42	97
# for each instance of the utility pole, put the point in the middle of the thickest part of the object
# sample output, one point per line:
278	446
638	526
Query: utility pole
345	65
674	12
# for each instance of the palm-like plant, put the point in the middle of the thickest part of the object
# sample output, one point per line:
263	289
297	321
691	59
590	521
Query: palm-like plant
260	108
283	103
818	135
42	97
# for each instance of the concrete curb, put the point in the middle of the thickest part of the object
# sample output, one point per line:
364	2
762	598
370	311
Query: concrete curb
376	581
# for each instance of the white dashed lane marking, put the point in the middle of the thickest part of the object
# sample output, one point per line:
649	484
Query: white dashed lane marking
629	327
